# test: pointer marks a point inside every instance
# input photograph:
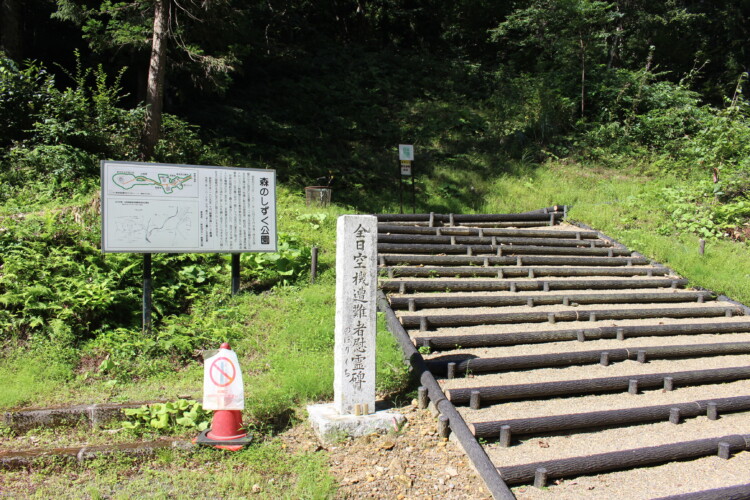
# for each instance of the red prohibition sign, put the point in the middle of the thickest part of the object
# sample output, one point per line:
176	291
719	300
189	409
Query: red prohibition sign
215	366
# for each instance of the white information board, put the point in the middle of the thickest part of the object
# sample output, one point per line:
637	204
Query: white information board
158	207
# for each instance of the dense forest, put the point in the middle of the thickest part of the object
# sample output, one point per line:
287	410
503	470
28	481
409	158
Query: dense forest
326	89
323	91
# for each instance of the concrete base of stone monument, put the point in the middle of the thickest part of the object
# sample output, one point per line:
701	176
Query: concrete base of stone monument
332	427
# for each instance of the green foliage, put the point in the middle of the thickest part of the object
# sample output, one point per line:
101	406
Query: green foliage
289	263
168	418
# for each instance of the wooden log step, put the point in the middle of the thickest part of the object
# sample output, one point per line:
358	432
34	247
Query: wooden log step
533	260
506	249
736	492
521	299
468	217
539	223
604	332
490	285
518	272
418	239
509	363
384	228
626	459
557	423
595	385
448	320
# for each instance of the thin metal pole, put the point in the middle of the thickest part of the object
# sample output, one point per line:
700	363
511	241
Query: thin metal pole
400	188
314	265
235	273
146	322
413	192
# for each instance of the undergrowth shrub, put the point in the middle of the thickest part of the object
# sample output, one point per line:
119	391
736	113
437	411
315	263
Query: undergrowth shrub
58	136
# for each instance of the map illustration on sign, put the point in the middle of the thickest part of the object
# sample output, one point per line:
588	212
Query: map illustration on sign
168	183
163	225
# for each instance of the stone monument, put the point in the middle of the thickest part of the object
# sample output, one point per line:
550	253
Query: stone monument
353	411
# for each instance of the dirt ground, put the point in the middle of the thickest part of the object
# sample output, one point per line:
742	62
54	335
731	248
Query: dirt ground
414	463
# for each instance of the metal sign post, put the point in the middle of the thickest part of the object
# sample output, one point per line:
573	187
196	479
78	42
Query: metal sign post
406	159
146	317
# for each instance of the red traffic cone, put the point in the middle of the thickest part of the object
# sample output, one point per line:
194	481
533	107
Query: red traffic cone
226	428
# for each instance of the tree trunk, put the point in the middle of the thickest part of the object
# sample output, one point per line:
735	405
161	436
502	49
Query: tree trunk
155	85
583	78
10	29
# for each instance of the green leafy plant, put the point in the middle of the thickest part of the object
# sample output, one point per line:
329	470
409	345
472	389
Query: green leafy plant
283	267
315	220
172	417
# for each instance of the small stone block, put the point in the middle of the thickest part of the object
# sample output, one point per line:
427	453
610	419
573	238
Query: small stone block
402	288
578	235
728	313
566	301
674	284
499	251
330	426
725	450
500	274
610	253
382	261
531	273
592	316
592	245
620	334
494	241
390	273
412	305
650	273
546	286
674	415
712	411
513	287
481	233
540	478
450	220
581	336
530	302
641	356
505	436
358	410
701	299
438	232
475	400
469	251
486	262
443	426
604	358
453	240
633	386
423	324
519	261
432	219
451	370
422	397
551	318
629	263
668	384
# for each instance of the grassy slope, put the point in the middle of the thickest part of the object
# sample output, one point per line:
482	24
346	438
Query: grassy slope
286	340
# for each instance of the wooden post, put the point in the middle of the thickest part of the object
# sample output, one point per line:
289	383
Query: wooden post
314	265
